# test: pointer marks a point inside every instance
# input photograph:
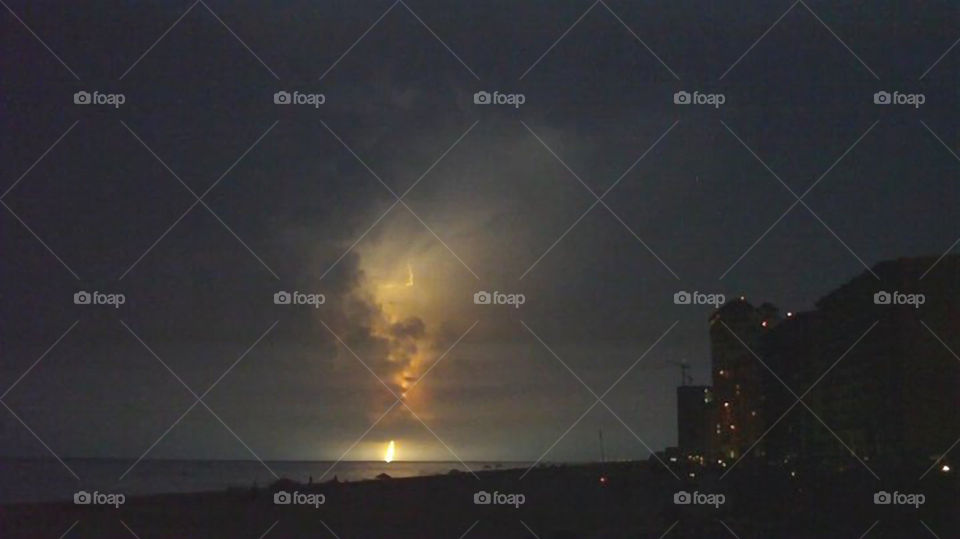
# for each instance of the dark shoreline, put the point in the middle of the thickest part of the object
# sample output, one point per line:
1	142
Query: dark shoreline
635	500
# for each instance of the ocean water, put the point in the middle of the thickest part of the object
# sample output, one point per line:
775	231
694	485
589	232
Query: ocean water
33	480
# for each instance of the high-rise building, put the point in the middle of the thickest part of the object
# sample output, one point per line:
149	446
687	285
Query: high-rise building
736	329
695	408
894	396
877	364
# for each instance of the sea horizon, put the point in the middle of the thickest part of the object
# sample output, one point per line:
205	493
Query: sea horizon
43	479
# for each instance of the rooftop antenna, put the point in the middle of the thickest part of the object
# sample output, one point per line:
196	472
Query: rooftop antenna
685	378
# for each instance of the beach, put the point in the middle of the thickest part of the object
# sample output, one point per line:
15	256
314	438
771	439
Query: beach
590	501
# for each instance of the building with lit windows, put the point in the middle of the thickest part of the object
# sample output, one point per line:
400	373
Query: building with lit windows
892	394
736	330
877	363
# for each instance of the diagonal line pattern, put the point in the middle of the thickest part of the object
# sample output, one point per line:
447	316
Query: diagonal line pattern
199	200
599	398
842	42
672	526
933	533
442	42
955	156
399	199
44	444
133	533
333	533
380	18
44	154
799	398
533	533
242	42
215	16
872	526
39	359
559	39
934	64
42	42
359	39
815	16
72	526
954	354
22	176
599	200
159	39
199	398
270	529
470	529
635	36
45	246
799	199
729	529
399	398
759	39
619	20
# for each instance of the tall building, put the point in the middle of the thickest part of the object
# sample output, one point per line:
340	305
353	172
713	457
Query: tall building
788	350
736	329
895	395
695	406
877	363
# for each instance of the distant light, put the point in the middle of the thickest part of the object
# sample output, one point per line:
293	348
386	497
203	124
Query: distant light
603	480
726	405
742	298
753	413
673	459
692	475
945	468
793	473
764	323
733	427
789	314
391	451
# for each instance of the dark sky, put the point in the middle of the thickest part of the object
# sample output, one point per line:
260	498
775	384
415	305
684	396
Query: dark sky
288	200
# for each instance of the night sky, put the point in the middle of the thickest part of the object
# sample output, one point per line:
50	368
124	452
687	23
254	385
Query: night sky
494	198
